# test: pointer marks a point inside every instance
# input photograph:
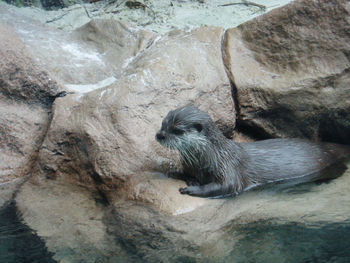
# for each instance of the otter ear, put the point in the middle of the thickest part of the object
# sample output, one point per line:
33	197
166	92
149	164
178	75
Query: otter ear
198	127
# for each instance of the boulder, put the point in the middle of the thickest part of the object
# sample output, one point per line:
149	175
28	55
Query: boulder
92	139
27	93
69	220
290	69
100	156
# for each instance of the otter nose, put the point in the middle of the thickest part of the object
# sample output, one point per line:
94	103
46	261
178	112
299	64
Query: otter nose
160	136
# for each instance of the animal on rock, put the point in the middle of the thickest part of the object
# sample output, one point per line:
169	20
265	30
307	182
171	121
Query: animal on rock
215	166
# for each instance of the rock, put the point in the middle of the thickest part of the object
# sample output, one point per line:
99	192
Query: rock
86	58
92	140
69	220
290	68
117	43
27	93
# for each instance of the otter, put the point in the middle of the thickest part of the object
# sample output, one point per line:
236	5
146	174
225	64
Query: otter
215	166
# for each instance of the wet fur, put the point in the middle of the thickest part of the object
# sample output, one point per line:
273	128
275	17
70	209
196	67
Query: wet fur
216	166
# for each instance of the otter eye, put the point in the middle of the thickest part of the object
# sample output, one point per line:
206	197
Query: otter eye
177	131
198	127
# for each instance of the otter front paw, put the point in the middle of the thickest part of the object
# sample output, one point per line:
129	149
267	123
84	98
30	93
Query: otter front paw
192	182
190	190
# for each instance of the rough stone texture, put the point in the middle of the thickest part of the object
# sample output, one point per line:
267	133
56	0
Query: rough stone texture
116	42
21	79
291	71
69	220
89	55
105	139
27	93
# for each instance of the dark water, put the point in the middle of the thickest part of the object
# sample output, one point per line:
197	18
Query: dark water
18	243
268	242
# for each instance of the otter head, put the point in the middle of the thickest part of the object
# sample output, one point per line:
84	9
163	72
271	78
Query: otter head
184	129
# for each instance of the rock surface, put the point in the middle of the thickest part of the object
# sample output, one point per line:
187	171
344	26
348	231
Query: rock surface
27	93
291	71
115	42
87	58
92	139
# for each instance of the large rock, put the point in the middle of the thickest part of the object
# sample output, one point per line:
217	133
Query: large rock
105	139
27	93
291	71
213	232
100	147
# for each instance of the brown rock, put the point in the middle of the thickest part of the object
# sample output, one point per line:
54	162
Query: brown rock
290	68
69	220
27	93
76	228
116	42
103	142
105	139
93	53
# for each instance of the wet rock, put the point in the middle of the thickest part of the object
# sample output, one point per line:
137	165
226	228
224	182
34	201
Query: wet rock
27	93
132	231
290	68
212	233
69	220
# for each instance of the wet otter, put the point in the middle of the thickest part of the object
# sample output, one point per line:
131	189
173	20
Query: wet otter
216	166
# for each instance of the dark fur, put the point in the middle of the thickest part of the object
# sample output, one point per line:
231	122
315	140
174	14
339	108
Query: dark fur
217	166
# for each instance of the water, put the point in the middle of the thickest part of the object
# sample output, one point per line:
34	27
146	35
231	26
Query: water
263	241
268	242
18	243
